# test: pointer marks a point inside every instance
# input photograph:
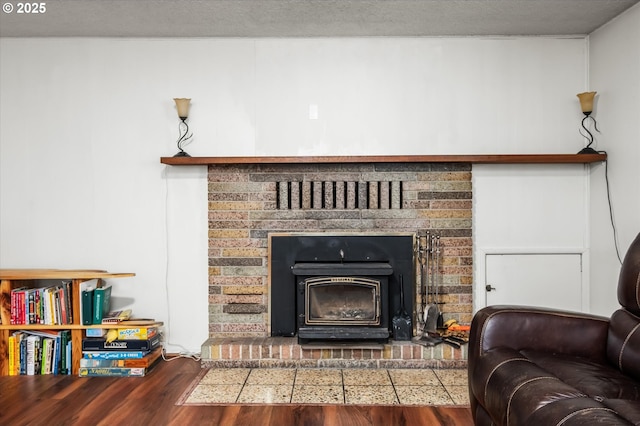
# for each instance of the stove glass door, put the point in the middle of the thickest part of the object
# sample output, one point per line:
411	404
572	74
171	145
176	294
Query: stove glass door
342	300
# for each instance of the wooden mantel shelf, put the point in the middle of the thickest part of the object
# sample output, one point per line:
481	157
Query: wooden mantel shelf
475	159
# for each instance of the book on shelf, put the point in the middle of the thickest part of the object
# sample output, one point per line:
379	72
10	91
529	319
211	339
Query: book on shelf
32	344
111	372
65	352
100	344
86	300
137	333
144	362
31	305
95	332
64	295
49	314
14	355
47	355
115	317
101	303
16	295
23	355
114	354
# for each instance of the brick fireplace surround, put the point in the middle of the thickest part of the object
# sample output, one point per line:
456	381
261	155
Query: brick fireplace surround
247	202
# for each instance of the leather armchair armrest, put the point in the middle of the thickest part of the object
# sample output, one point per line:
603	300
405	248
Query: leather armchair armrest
539	329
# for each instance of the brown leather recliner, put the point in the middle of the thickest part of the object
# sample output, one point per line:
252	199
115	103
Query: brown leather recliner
534	366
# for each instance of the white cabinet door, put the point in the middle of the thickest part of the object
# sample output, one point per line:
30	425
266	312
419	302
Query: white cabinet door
547	280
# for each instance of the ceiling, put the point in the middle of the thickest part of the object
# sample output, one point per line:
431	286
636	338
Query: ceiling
309	18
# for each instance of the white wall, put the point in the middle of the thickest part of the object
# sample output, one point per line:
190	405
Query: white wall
614	64
83	123
525	210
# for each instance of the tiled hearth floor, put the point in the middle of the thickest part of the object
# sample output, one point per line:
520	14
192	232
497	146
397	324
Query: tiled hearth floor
331	386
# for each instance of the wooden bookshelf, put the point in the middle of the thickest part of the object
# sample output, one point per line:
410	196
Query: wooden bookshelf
14	278
473	159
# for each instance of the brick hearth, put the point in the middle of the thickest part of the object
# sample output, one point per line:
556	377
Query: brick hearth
284	352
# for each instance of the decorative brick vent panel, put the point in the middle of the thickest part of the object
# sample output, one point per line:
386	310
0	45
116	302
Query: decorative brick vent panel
248	201
341	195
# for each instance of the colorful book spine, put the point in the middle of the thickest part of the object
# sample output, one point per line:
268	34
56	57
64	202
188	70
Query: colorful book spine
95	332
85	297
144	362
93	344
114	354
111	372
12	356
65	340
18	306
39	306
31	306
137	333
102	363
51	317
32	354
87	306
57	308
63	306
23	355
101	303
18	344
45	363
69	357
68	291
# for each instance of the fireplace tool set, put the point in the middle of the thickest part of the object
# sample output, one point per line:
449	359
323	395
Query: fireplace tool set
429	314
401	321
434	329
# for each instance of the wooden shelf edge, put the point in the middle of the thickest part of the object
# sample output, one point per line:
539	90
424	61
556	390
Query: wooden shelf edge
70	274
472	158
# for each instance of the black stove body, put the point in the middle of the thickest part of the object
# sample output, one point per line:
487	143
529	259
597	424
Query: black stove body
339	288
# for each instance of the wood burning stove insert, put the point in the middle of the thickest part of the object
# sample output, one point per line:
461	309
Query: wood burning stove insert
338	288
338	301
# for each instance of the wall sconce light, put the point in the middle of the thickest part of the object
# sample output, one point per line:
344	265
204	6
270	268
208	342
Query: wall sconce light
586	103
182	105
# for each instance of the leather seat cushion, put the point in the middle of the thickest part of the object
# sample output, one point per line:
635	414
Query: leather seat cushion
531	387
509	384
630	410
598	381
575	412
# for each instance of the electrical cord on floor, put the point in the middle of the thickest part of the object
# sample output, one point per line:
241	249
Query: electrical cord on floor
613	225
184	353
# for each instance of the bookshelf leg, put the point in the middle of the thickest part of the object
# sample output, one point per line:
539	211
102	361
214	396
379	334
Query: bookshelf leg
76	350
4	352
5	302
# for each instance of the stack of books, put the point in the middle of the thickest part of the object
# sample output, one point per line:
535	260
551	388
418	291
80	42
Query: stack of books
39	352
132	353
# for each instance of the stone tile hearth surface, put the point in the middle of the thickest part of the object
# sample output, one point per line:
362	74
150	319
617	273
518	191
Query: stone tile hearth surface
331	386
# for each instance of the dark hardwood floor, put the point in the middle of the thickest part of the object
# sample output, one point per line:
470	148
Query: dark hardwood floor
67	400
